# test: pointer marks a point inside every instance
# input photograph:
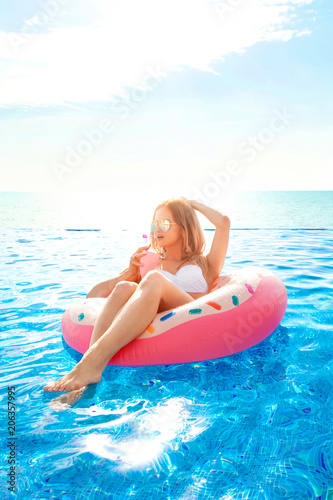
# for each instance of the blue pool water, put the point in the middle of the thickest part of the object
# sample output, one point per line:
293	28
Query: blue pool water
256	425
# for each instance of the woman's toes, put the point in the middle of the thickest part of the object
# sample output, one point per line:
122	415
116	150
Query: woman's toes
48	388
66	387
55	387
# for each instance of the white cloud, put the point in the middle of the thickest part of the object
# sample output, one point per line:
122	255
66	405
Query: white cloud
58	65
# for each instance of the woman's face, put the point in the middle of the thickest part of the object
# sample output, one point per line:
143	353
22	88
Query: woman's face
173	235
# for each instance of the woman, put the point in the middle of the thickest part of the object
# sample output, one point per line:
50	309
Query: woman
133	302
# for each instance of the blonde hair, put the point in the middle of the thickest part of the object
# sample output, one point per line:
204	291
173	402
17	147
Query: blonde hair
193	237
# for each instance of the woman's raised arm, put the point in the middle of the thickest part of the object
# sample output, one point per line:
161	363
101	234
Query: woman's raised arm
219	247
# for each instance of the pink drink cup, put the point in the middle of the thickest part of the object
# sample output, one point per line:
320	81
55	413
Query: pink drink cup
149	261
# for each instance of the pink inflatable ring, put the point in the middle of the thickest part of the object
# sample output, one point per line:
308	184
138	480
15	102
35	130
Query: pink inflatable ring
241	309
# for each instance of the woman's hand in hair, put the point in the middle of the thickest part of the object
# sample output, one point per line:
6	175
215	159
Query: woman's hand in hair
185	200
216	217
193	203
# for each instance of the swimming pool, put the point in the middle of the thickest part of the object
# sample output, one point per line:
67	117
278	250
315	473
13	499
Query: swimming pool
256	425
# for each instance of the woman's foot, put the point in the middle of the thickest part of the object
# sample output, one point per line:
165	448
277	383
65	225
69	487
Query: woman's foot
82	374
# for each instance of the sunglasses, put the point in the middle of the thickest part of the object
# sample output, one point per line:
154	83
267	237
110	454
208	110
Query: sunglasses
164	225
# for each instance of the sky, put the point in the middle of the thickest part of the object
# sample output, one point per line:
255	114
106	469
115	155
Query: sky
149	99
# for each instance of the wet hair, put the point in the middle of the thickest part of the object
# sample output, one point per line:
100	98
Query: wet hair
193	237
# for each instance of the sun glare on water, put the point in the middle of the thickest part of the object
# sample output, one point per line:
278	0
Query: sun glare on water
104	210
153	433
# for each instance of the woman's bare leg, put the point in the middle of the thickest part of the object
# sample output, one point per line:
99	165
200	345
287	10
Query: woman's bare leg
115	302
154	294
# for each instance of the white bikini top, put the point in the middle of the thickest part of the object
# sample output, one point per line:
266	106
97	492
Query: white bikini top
189	278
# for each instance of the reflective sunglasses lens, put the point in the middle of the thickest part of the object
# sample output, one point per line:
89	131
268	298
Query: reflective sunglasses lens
164	225
153	227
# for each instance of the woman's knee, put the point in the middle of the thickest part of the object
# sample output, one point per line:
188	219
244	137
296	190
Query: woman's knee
126	288
153	279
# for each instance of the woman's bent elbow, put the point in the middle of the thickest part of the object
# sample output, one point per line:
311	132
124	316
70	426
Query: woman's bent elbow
224	222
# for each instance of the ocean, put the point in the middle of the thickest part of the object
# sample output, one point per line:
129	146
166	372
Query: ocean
247	210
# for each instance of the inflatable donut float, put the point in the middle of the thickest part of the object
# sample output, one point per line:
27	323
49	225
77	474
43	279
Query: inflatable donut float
241	309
